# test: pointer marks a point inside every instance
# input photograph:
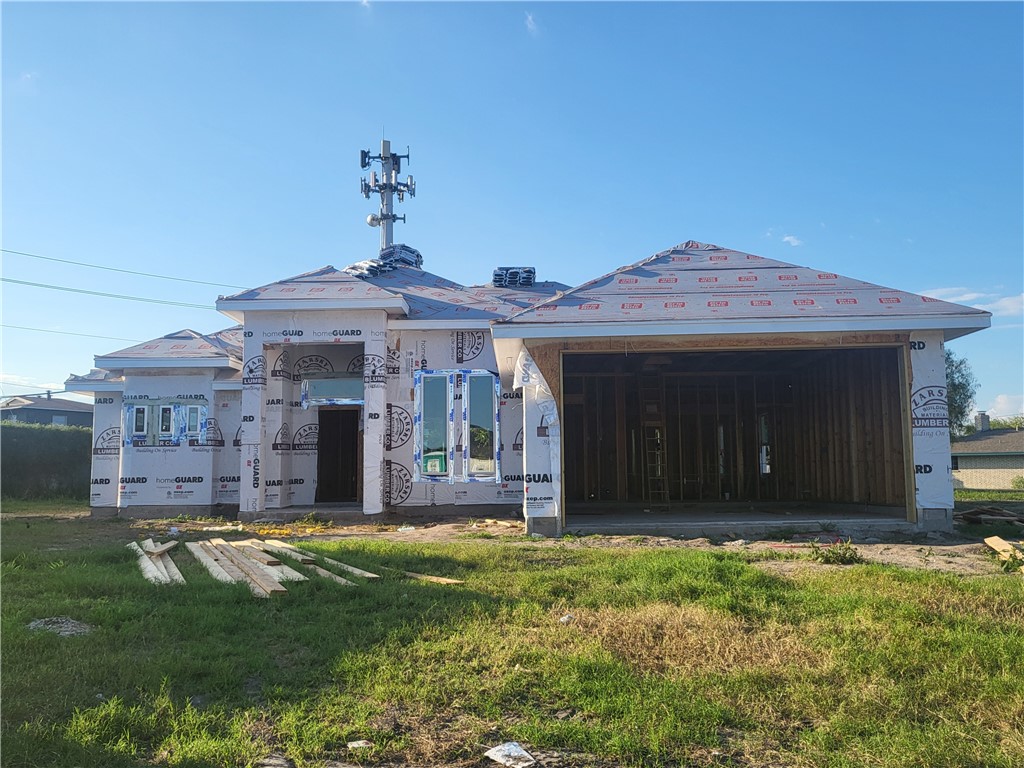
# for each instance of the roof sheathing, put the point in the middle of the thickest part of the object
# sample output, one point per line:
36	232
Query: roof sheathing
697	283
182	348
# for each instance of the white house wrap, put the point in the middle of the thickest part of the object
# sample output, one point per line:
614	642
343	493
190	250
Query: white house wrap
698	376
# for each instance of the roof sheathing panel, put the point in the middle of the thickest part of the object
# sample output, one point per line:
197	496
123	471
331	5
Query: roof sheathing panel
699	283
323	284
431	297
183	345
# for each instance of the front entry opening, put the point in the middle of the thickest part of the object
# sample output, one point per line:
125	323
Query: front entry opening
339	455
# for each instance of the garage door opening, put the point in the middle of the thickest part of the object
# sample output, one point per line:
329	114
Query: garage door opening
678	428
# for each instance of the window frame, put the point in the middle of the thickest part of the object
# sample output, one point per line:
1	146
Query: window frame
459	460
135	420
169	432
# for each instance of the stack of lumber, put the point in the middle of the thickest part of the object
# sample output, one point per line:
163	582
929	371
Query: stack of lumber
155	562
257	564
1007	551
990	515
241	561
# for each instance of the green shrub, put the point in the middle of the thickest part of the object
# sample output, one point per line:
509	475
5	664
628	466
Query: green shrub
1017	483
840	553
43	461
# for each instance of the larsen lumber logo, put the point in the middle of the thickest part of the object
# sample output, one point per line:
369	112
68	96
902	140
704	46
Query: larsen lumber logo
255	371
468	345
307	438
283	439
282	366
929	409
373	369
312	364
108	442
398	429
397	482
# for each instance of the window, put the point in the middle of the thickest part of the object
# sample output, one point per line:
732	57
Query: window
436	414
436	457
333	389
166	419
481	408
192	421
139	420
60	420
955	460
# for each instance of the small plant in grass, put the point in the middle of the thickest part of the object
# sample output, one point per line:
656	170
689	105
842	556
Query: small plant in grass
839	553
1013	563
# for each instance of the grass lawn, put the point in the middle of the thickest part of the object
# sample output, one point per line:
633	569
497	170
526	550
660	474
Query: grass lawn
673	657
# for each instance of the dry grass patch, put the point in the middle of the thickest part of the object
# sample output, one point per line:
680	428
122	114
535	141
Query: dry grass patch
691	639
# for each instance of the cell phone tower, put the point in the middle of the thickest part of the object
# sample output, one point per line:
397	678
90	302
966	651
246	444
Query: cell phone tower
387	186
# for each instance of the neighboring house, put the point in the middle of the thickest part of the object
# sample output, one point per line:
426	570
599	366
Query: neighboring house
46	410
988	460
698	376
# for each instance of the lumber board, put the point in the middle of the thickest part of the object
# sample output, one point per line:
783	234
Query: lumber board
155	550
434	579
211	565
332	576
250	568
329	561
149	570
254	553
277	572
296	554
170	568
1005	549
159	563
229	567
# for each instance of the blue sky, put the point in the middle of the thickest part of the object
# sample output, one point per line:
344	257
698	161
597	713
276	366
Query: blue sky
219	142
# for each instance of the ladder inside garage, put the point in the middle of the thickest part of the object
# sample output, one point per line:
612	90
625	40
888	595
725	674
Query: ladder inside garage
652	413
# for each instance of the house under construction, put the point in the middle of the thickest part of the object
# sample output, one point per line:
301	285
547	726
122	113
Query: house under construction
698	379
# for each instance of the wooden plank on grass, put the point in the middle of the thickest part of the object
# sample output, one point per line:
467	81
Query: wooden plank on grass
335	563
434	579
1005	549
254	553
227	566
171	569
296	554
146	565
155	550
332	576
211	565
250	568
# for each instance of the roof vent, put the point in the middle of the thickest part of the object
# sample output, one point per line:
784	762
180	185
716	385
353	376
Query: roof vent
514	277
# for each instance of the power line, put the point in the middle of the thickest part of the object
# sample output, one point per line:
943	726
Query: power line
125	271
67	333
106	295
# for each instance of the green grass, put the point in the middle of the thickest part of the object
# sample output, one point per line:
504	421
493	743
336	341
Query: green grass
967	494
673	656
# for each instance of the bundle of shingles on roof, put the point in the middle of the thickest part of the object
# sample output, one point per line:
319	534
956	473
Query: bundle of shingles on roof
253	562
990	515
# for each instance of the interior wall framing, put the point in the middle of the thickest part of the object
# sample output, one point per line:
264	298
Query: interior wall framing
844	437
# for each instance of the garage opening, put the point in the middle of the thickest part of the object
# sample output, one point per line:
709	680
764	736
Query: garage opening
670	428
339	455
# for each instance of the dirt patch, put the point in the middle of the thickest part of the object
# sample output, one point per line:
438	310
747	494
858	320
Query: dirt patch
690	639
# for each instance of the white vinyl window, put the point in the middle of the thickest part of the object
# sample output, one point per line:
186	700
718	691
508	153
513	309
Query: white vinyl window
450	403
166	420
140	420
194	418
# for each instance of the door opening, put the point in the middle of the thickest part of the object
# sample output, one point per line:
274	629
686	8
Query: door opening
339	463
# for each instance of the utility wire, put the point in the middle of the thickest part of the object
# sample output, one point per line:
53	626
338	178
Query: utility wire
125	271
107	295
67	333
